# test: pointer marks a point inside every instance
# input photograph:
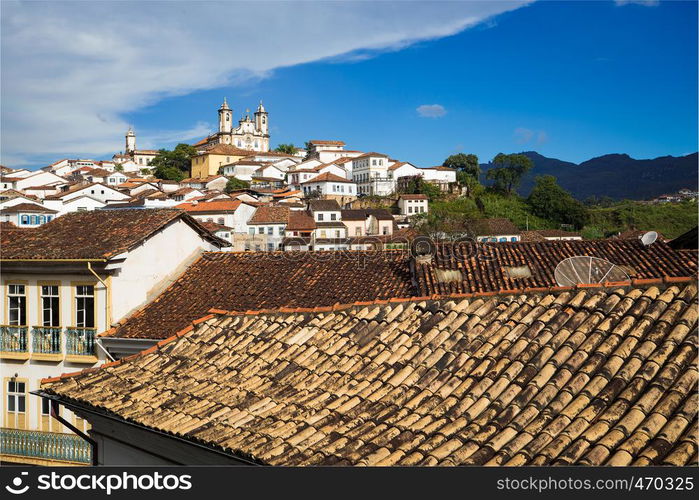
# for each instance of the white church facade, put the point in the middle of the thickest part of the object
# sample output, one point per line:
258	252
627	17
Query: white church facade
251	134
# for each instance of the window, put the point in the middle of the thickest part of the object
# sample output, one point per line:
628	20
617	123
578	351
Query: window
514	238
17	304
270	230
385	230
24	220
410	209
50	306
85	306
322	233
45	407
221	220
337	233
357	231
260	230
34	220
320	217
17	401
82	209
333	216
270	247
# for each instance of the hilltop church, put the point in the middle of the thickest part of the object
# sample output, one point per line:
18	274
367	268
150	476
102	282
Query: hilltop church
251	134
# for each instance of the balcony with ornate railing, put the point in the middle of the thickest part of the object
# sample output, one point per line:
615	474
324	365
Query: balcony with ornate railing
43	448
47	343
80	345
13	342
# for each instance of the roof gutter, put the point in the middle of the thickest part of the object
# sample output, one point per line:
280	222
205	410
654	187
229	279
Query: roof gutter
57	398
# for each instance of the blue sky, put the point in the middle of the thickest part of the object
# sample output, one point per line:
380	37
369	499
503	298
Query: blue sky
572	80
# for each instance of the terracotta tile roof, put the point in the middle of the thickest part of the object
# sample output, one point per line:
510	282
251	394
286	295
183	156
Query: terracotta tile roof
397	165
214	227
328	177
300	221
484	267
270	214
492	227
328	143
251	280
95	234
363	213
366	155
27	207
413	197
323	206
594	376
10	232
98	172
635	234
75	187
542	234
226	149
210	206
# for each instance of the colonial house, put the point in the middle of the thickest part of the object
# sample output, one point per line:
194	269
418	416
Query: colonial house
211	183
299	231
328	151
399	169
210	161
242	169
367	222
330	232
330	186
412	204
61	284
27	215
267	228
230	213
439	176
99	192
370	173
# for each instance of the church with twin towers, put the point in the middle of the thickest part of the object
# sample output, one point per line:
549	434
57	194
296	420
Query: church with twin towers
252	133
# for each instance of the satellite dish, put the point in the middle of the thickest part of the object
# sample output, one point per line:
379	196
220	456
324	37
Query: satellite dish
586	270
649	238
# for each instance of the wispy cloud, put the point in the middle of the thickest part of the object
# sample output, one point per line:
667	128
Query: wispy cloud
646	3
523	135
66	90
431	110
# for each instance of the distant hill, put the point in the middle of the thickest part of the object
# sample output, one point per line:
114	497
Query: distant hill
615	175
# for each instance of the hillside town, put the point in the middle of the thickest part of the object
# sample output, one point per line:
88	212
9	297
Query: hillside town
297	308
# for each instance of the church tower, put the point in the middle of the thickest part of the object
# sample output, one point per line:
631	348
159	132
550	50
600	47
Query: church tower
130	141
261	119
225	120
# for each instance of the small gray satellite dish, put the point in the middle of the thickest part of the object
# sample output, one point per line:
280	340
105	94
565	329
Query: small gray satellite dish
582	269
649	238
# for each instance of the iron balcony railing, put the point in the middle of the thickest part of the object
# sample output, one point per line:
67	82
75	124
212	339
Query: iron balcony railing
80	341
13	338
45	445
46	339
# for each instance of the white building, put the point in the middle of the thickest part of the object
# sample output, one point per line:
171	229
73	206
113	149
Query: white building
370	173
412	204
61	286
267	227
328	185
27	215
251	133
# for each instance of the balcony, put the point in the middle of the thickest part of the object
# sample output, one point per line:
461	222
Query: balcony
43	448
46	343
80	345
13	342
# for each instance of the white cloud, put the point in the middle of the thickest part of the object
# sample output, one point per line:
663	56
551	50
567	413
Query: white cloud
71	70
523	135
646	3
431	110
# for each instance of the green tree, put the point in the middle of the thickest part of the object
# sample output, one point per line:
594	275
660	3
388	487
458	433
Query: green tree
418	185
550	201
508	171
173	165
234	184
289	149
466	163
118	167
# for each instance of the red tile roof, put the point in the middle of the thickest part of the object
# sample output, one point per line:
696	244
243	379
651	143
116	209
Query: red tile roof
210	206
270	214
328	143
328	177
96	234
253	280
27	207
413	197
300	221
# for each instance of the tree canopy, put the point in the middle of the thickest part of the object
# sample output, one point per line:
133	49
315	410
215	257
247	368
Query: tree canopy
173	165
508	171
418	185
234	184
550	201
466	163
286	148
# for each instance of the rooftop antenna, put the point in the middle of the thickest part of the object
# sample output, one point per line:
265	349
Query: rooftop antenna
583	269
649	238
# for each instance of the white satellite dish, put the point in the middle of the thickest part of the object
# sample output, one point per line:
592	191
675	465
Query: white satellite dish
649	238
586	270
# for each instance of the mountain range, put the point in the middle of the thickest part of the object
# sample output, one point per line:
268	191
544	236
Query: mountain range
617	176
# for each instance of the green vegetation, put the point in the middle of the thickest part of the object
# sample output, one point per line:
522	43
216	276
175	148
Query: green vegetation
417	185
289	149
508	171
173	165
234	184
549	206
670	219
